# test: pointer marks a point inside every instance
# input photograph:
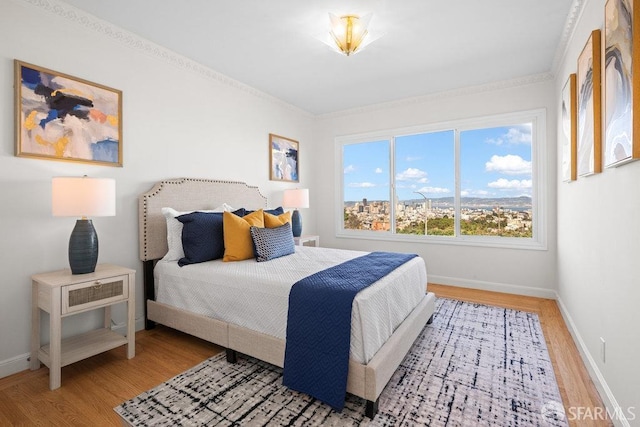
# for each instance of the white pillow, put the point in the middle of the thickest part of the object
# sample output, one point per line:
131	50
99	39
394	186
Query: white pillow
174	230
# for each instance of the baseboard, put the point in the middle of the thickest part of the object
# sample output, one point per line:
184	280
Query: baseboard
493	286
121	328
14	365
609	400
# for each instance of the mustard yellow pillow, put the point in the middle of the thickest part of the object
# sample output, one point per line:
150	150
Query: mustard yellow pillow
272	221
237	237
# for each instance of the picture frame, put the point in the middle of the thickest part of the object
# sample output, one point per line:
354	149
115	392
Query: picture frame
61	117
621	86
569	130
589	108
284	159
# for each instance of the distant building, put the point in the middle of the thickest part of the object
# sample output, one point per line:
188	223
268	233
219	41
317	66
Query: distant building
380	226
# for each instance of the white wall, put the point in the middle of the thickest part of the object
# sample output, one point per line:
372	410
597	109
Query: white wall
531	272
598	253
177	122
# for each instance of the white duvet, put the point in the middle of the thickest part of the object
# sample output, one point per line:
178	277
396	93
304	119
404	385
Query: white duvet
255	295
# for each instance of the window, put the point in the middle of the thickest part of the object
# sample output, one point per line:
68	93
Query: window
495	177
425	183
468	182
366	203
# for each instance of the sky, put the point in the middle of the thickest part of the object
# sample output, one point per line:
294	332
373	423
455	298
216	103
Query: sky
494	162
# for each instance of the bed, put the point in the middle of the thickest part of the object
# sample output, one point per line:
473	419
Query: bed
371	364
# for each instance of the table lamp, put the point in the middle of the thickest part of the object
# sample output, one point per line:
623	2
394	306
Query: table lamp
297	198
83	197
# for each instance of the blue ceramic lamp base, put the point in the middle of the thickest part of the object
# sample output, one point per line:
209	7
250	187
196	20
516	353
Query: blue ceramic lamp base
83	247
296	223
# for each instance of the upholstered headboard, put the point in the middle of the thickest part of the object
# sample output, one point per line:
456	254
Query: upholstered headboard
185	194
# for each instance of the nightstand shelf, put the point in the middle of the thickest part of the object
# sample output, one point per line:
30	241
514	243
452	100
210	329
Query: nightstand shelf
62	294
79	347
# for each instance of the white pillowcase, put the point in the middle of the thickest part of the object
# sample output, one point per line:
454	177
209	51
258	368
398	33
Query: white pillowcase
174	230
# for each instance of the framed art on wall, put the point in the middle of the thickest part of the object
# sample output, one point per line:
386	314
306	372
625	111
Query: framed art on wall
283	159
60	117
622	45
569	130
589	107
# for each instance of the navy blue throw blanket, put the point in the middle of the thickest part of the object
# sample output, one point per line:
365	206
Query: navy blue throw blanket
316	358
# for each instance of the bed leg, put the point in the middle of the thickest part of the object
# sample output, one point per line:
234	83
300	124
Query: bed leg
372	408
149	324
430	321
232	356
149	290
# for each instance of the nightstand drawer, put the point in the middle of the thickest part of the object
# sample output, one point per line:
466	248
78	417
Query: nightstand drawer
94	293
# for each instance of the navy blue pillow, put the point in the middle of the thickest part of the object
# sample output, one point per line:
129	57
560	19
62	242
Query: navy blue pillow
202	236
270	243
277	211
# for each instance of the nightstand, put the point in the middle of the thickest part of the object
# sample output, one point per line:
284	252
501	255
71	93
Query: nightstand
63	294
311	240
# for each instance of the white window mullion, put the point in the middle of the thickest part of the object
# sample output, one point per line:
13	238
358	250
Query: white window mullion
392	192
457	193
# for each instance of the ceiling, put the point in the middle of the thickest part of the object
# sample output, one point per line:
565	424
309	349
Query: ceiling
420	46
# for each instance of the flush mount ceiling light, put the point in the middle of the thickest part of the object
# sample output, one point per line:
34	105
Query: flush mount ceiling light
349	32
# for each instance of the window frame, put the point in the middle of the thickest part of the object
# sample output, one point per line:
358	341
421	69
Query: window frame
538	241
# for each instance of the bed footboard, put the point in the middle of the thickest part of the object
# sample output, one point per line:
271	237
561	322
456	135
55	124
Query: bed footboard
204	327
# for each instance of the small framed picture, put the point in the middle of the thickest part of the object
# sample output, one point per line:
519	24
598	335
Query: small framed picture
284	155
60	117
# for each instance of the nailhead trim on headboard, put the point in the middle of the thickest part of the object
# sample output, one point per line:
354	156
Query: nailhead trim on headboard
187	194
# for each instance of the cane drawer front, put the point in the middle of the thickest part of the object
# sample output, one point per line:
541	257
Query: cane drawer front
94	293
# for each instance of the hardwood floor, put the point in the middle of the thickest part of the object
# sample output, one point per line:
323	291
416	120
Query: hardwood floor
93	387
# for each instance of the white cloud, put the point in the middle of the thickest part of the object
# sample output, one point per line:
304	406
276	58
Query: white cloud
411	174
514	184
361	184
474	193
434	190
378	170
509	165
515	135
349	169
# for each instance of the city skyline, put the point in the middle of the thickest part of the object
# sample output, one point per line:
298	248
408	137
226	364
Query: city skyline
494	163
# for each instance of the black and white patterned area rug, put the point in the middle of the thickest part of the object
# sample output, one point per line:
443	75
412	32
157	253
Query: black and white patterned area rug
474	365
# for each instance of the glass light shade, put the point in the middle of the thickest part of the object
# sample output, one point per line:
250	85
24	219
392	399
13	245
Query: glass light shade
83	196
349	31
298	198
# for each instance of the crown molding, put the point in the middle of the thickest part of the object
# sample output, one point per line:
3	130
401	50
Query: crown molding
467	90
575	12
104	28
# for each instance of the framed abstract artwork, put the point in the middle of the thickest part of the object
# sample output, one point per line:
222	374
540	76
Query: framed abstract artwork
60	117
589	107
283	159
569	130
621	46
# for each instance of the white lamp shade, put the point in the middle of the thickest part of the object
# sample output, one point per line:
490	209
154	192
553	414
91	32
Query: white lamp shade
298	198
83	196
